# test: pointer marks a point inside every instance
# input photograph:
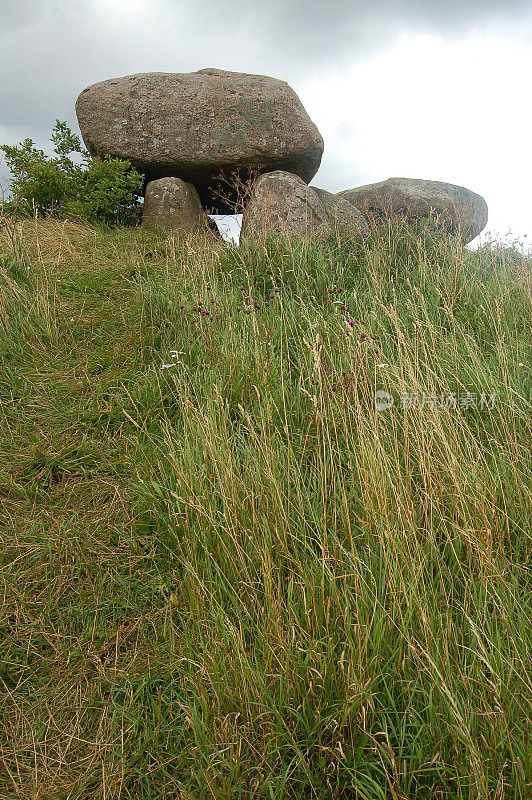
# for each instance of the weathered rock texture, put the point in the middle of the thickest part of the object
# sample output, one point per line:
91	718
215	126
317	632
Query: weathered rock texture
170	204
283	204
459	210
198	126
342	214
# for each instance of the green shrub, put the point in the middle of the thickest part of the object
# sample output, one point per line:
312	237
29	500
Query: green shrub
93	189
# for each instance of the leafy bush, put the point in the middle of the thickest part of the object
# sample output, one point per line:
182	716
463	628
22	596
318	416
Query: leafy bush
90	188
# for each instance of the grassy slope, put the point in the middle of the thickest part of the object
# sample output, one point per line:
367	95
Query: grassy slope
233	578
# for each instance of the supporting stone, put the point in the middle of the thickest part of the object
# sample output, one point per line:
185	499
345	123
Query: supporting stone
170	204
283	204
344	216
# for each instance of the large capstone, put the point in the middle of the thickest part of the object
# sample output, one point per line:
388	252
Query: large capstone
204	127
456	209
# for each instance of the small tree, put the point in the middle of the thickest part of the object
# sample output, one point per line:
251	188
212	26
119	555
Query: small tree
95	189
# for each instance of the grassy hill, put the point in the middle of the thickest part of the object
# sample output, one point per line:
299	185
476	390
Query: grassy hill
225	573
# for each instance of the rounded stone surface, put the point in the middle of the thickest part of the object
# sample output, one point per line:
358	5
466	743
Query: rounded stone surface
343	214
282	204
170	204
200	127
459	210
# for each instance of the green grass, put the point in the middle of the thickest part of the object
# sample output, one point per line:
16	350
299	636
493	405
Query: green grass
233	577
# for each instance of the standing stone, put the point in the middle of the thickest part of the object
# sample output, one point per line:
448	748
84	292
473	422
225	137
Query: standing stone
203	127
283	204
343	214
457	209
170	204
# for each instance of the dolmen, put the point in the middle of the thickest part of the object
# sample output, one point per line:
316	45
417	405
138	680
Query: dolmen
218	142
203	127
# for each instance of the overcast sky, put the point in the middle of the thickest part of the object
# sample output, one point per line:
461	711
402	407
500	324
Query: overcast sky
437	89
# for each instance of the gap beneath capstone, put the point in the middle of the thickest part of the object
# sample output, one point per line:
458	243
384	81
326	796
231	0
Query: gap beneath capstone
229	226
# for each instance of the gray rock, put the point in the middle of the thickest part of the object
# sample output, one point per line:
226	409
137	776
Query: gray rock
200	126
459	210
171	204
283	204
343	214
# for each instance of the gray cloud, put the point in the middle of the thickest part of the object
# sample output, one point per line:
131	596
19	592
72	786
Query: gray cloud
311	30
51	49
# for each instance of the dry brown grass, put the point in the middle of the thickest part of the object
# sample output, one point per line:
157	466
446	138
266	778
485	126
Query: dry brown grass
233	577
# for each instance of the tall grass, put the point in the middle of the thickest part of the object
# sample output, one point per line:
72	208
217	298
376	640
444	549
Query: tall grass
226	573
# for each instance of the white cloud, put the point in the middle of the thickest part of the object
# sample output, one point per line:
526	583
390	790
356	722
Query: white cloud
430	108
453	106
